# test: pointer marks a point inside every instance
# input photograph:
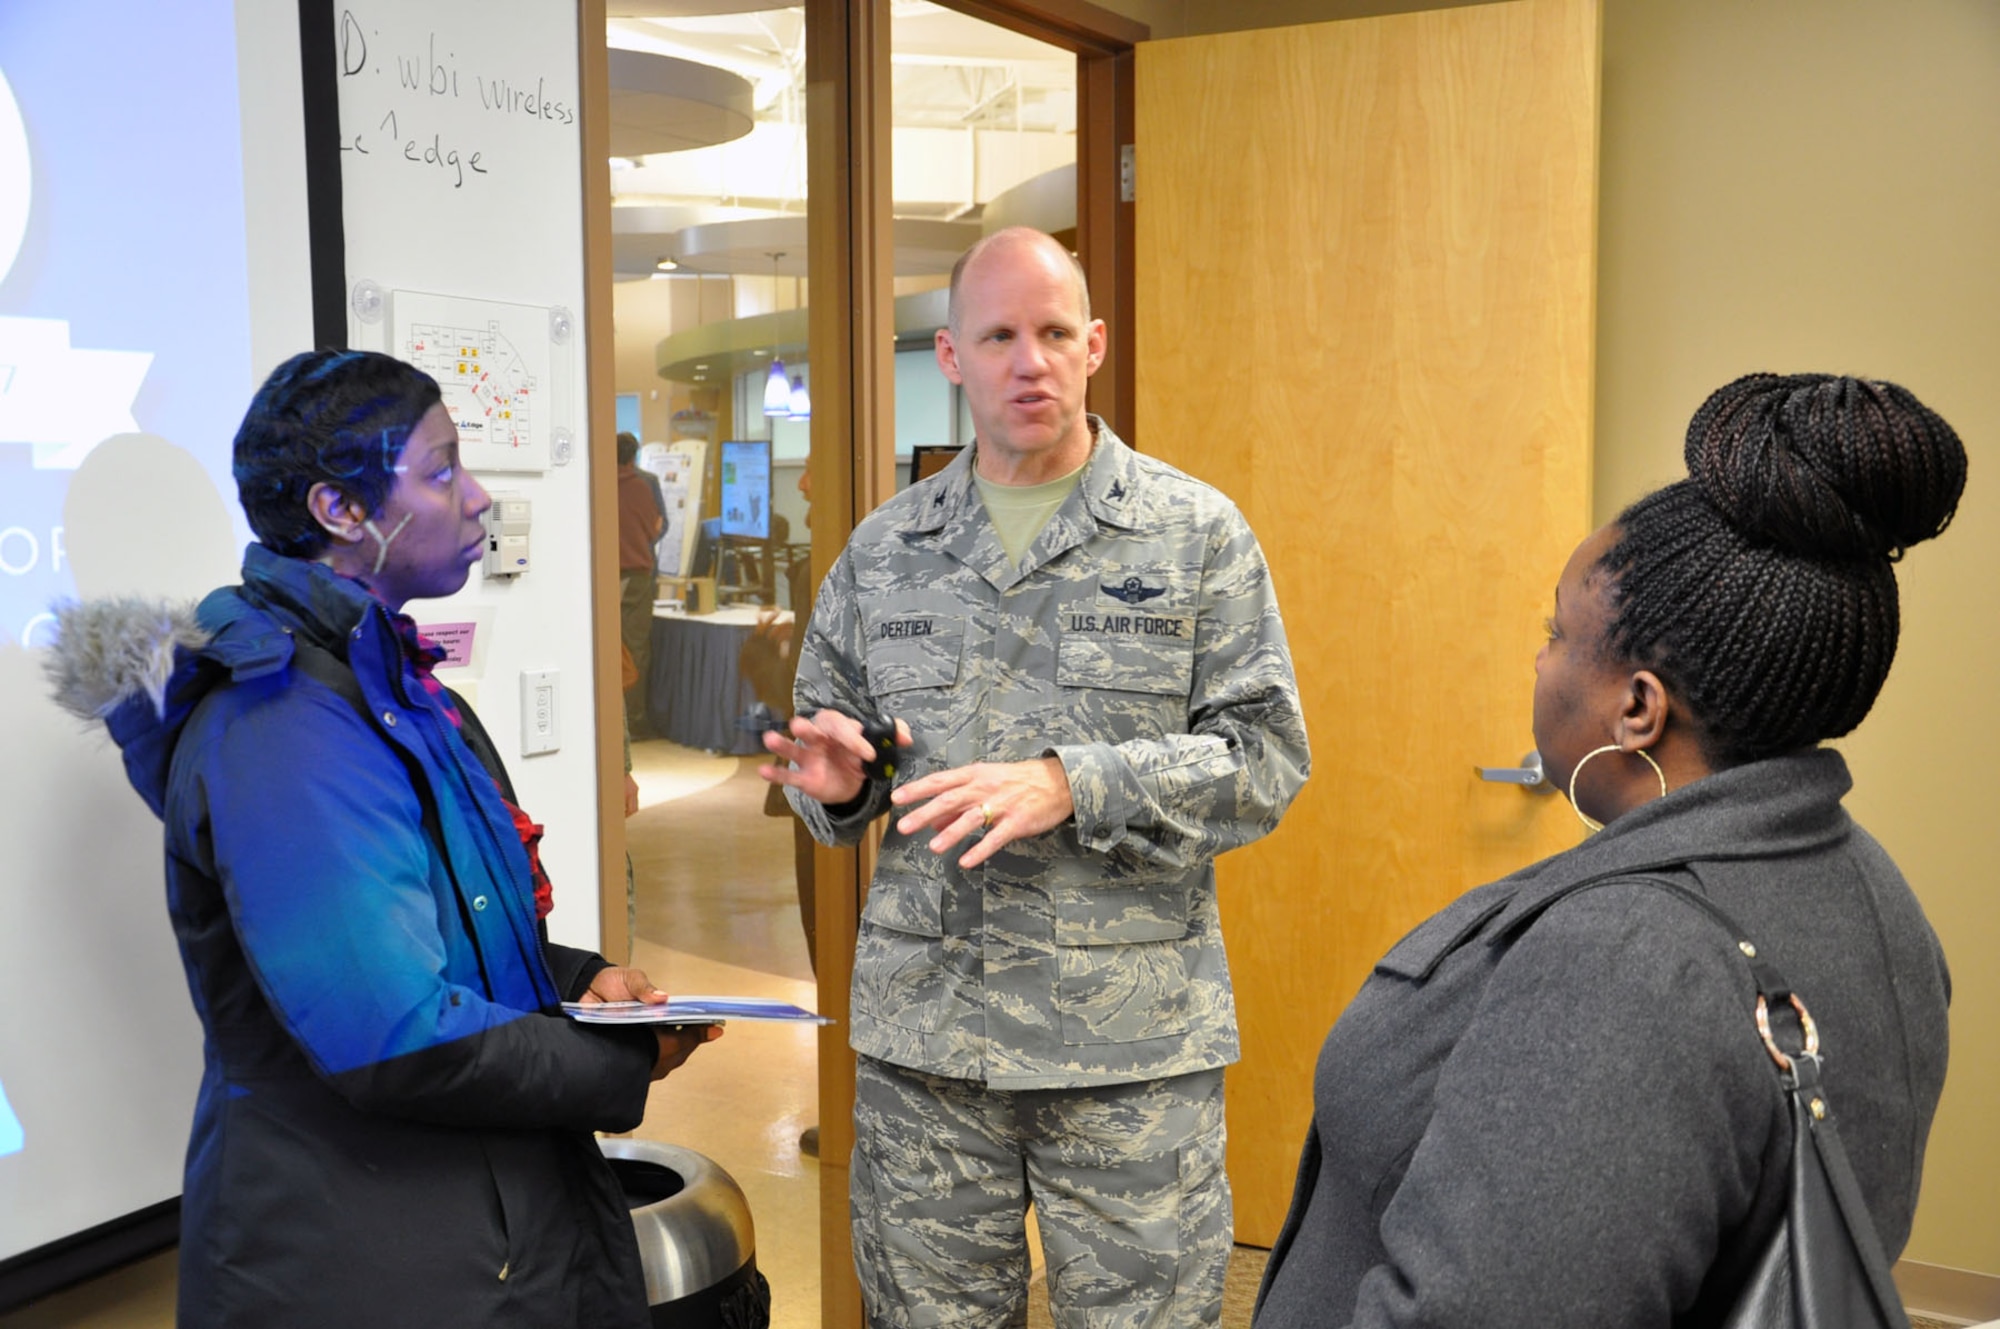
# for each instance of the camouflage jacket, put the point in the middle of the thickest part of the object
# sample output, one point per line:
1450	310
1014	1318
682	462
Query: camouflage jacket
1139	643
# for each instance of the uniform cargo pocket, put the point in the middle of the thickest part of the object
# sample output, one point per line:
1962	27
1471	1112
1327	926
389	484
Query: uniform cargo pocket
1123	993
898	978
1093	916
906	902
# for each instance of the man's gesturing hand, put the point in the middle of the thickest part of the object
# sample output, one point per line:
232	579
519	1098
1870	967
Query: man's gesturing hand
1012	800
826	753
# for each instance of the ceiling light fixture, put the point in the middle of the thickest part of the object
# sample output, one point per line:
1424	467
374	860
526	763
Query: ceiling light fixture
667	264
800	405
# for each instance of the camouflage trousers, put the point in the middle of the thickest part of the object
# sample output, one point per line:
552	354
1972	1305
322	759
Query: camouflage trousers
1127	1183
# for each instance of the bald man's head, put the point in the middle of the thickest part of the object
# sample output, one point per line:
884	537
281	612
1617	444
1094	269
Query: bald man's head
1015	238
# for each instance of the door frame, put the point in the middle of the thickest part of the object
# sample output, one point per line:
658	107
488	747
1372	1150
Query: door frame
851	328
1102	43
852	262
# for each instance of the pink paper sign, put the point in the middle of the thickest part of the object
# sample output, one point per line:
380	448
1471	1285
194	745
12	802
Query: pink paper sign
456	638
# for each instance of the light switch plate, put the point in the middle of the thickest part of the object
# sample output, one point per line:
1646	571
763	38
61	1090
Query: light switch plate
541	711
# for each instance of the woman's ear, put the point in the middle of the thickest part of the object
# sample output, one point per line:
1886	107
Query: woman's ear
338	515
1646	708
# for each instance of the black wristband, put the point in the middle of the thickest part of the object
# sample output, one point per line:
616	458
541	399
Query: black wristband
842	811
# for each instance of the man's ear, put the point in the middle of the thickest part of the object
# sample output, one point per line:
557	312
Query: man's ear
1646	708
1095	343
947	356
338	515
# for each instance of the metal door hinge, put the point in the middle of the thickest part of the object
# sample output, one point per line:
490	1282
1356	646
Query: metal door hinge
1127	191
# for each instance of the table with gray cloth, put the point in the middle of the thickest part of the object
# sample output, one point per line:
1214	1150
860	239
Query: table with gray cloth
697	690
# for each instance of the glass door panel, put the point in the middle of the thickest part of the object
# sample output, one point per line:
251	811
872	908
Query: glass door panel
709	222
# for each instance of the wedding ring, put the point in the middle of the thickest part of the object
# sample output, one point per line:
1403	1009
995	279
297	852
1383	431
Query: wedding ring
985	816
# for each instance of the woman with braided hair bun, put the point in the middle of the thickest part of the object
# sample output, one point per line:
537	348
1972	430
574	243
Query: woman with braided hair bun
1548	1105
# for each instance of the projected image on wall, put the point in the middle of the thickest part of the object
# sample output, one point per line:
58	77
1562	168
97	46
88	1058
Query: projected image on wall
127	328
123	291
11	1137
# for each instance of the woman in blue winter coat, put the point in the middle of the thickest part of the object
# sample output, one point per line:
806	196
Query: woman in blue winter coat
394	1123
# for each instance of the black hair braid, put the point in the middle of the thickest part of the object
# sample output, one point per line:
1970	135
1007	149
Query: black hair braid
1761	588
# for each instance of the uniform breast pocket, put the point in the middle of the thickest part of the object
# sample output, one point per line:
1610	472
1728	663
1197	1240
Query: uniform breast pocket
1125	657
914	665
914	655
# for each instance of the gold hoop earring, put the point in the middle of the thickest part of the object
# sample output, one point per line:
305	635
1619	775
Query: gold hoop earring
1584	817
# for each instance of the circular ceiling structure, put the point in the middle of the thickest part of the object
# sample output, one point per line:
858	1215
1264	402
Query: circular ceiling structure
660	103
923	248
683	8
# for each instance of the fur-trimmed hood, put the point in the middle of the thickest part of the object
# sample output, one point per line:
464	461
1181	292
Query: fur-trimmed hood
109	652
140	666
137	667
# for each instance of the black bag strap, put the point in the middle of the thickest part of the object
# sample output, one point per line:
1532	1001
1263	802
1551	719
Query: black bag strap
1798	1070
323	666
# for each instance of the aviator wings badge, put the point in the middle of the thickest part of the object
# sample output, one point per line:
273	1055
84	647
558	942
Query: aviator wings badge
1132	591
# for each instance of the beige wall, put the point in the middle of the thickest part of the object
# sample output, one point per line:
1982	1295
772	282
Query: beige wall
642	312
1815	185
1191	18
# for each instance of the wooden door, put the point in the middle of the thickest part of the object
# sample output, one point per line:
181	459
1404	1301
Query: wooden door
1365	275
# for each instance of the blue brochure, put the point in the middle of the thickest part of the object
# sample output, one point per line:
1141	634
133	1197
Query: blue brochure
691	1010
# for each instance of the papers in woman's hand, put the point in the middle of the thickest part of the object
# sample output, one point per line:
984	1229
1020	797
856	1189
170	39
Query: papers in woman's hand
690	1010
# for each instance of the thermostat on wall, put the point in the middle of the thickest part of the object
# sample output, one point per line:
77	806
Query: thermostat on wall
506	536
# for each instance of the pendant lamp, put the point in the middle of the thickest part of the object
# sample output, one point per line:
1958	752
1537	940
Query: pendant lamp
800	402
777	385
777	390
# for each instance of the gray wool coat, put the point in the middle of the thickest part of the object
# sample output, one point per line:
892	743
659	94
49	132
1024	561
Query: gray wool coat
1570	1119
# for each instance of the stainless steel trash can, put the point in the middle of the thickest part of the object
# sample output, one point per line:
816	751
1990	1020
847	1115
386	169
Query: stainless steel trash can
696	1239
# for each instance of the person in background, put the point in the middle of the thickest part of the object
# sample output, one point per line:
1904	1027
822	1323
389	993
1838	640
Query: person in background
1549	1106
1082	649
642	519
394	1125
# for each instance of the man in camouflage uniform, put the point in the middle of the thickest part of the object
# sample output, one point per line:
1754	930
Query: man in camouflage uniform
1082	650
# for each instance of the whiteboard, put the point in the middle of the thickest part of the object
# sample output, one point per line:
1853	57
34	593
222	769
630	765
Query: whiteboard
443	98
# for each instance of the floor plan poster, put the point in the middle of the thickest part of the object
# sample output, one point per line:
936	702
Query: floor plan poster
492	360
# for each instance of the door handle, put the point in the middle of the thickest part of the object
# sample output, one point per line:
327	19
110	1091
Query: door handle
1528	774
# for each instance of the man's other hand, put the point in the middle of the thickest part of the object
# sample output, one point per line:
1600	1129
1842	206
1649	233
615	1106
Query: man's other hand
1011	800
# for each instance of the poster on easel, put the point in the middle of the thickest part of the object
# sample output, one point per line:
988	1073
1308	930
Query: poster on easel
678	468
